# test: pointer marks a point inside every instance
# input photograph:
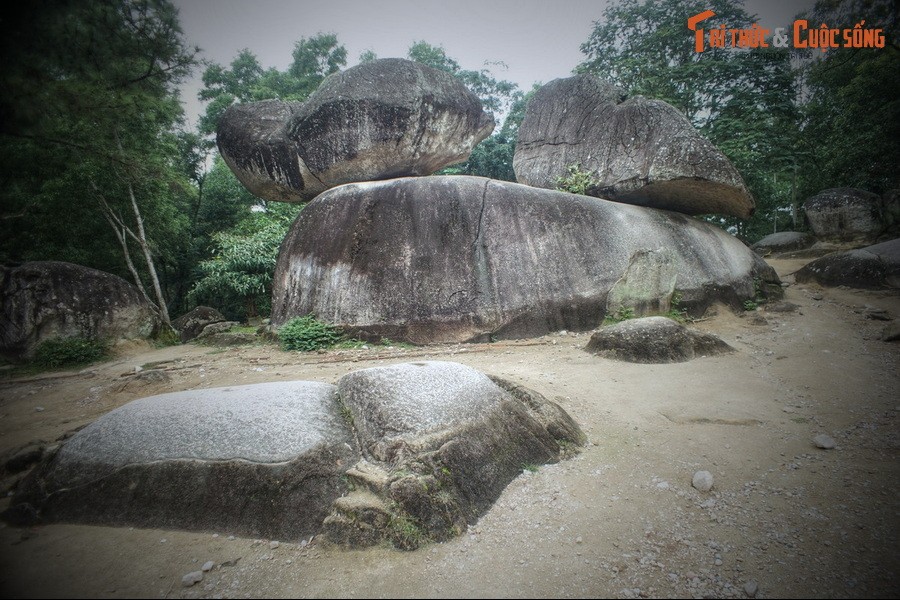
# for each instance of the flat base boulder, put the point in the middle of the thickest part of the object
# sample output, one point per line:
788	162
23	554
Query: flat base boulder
51	299
458	258
406	453
873	267
654	340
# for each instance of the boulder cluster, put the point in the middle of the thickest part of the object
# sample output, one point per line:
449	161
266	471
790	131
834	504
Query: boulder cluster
455	258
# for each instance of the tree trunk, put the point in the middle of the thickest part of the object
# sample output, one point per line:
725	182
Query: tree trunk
141	239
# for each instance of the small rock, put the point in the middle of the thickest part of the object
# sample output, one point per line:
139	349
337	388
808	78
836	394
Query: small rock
273	545
703	481
662	485
192	578
826	442
750	588
578	540
207	566
816	296
39	409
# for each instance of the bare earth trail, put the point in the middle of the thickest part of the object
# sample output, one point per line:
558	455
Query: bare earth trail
785	519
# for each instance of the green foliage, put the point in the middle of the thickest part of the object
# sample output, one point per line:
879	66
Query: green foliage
405	533
68	352
577	181
750	305
623	313
308	333
243	265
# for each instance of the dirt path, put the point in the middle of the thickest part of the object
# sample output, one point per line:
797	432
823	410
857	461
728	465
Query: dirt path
785	519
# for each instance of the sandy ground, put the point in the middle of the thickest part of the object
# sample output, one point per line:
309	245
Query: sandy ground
785	519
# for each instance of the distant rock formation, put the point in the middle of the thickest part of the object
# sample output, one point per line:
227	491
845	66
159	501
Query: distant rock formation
50	299
381	119
872	267
461	258
654	340
191	324
846	215
406	453
638	151
783	241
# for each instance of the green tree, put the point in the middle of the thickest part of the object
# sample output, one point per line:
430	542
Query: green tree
89	110
246	81
238	277
851	125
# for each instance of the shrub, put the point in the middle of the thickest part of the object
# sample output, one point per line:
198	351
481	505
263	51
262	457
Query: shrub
577	181
308	333
61	352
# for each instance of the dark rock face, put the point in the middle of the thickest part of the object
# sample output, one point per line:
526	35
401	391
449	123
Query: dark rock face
191	324
639	151
382	119
43	300
783	241
845	215
405	453
873	267
466	258
654	340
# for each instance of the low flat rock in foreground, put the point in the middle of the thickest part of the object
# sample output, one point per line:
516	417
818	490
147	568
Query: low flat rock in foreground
457	258
873	267
404	453
654	340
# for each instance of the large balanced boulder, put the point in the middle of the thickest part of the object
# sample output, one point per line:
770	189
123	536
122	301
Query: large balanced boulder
873	267
458	258
404	453
654	340
846	215
636	150
50	299
381	119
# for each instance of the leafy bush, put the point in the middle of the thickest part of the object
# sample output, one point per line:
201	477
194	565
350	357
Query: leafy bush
308	333
577	181
61	352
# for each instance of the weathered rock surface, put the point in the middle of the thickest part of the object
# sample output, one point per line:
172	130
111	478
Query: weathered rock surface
639	151
381	119
43	300
872	267
654	340
845	215
467	258
262	460
783	241
404	453
192	324
448	440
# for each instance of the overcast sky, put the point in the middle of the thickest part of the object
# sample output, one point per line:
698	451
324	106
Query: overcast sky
538	40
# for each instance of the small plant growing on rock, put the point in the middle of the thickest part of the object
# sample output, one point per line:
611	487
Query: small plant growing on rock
577	181
623	313
308	333
67	352
405	534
